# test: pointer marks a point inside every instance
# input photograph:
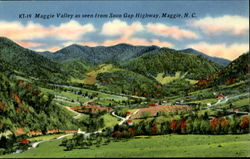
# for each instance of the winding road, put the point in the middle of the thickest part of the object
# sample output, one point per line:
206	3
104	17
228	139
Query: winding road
225	100
35	144
122	118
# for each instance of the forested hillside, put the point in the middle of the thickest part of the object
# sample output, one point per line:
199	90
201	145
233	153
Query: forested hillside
24	106
237	70
128	82
170	61
28	63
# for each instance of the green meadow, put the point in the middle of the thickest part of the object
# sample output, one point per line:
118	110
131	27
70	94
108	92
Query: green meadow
154	146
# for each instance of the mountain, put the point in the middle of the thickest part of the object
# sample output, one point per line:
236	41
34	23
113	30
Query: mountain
169	61
236	71
221	61
117	53
98	55
24	61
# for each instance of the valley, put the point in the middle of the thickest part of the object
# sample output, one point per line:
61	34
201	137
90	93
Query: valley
122	101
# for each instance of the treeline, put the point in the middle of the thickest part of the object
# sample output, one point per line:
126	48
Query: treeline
215	126
81	141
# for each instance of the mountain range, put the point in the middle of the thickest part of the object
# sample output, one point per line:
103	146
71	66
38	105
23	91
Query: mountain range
129	67
117	53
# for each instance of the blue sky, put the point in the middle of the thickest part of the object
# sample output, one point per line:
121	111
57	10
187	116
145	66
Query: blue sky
220	28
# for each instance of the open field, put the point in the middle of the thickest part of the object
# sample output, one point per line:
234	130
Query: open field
152	111
109	120
65	94
241	102
91	76
155	146
167	79
102	98
205	101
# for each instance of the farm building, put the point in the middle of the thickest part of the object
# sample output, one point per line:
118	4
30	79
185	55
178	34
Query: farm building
220	96
130	122
153	104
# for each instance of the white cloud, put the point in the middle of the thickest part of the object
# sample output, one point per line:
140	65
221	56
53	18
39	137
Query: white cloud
231	24
221	50
71	30
126	32
170	31
118	27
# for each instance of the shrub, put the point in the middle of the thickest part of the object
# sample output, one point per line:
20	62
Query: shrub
173	125
2	151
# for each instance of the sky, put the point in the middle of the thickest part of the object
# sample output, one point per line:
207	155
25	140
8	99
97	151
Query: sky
217	28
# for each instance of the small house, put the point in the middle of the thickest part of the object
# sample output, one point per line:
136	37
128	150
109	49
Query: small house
128	113
130	122
210	119
235	109
220	96
91	103
153	104
164	101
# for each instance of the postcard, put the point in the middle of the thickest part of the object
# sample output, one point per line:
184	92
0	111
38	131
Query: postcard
124	79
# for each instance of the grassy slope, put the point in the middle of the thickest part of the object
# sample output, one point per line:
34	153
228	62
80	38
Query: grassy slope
241	102
238	103
156	146
167	79
91	76
164	80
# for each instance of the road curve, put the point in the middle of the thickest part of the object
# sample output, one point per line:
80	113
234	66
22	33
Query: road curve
124	119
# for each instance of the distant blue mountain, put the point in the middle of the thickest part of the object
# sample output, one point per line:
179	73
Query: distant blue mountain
218	60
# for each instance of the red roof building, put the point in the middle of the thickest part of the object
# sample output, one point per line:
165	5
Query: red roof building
152	104
210	119
128	113
24	141
235	109
220	96
130	122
